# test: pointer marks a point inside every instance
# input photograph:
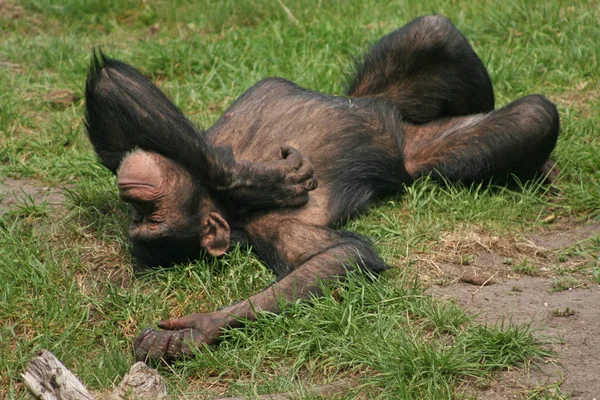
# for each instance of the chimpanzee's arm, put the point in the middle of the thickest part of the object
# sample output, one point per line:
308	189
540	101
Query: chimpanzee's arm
315	254
125	111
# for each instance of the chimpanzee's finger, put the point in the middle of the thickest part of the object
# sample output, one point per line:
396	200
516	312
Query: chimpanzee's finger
140	354
286	150
311	184
302	175
159	347
143	342
175	345
195	338
140	337
177	323
292	156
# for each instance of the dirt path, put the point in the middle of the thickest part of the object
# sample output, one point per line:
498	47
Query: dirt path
27	191
569	319
575	338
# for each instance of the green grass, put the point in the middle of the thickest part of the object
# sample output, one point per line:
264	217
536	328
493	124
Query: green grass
66	282
526	268
561	283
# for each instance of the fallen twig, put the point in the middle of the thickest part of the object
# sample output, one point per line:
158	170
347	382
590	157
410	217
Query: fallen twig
484	283
47	378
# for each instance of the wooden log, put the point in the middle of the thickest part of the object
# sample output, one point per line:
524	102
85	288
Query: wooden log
47	378
141	382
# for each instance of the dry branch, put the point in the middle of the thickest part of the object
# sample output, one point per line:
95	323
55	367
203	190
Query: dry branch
47	378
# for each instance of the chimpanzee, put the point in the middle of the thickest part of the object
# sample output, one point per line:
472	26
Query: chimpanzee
421	103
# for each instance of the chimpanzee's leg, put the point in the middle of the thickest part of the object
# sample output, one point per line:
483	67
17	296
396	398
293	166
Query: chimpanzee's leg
428	69
514	140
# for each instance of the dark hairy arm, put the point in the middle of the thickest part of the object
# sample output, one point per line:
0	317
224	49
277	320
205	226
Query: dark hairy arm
312	255
126	111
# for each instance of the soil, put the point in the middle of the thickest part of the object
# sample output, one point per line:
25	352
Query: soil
16	192
567	320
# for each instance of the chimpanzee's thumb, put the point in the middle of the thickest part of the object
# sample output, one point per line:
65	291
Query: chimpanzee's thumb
176	323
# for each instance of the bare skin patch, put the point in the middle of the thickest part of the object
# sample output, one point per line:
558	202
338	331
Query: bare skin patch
140	177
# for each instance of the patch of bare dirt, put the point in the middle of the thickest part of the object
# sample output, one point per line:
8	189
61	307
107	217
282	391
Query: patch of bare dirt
60	99
565	234
103	260
582	97
569	319
475	255
17	192
10	10
484	283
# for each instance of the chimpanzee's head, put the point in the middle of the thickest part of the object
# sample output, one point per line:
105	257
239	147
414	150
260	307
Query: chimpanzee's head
174	217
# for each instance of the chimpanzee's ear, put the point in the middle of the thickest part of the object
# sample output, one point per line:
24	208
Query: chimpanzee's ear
216	240
124	111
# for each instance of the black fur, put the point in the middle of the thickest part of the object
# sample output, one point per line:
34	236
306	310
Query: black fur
125	111
428	70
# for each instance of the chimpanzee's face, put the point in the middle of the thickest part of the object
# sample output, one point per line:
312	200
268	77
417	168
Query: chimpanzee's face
173	219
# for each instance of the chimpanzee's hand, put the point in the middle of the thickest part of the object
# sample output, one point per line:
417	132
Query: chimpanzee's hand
294	177
177	337
550	171
282	183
